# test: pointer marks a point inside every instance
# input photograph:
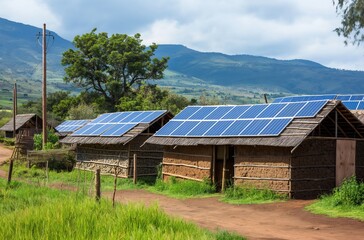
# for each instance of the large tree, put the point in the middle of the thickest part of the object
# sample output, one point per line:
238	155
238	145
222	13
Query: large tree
352	20
111	66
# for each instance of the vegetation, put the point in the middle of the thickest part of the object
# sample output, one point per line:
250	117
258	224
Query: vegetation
251	195
52	141
352	20
78	217
183	188
345	201
111	66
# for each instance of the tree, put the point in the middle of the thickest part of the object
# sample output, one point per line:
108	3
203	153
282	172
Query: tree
82	111
352	22
111	66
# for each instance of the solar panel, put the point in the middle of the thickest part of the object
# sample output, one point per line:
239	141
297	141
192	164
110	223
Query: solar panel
255	127
236	127
275	127
202	113
71	125
253	111
219	112
117	124
168	128
311	109
184	128
187	112
201	128
291	109
305	98
361	105
218	128
271	111
236	112
351	105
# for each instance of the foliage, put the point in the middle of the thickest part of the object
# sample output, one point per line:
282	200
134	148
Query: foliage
53	214
111	66
7	141
249	195
151	97
352	20
5	117
183	188
52	141
345	201
82	111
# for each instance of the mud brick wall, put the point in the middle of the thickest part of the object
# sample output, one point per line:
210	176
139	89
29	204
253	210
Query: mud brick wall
187	162
105	157
262	167
359	165
313	168
149	157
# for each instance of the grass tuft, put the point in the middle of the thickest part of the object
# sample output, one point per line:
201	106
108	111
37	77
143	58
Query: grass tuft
251	195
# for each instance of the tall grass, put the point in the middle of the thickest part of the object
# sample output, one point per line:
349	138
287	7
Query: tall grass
42	213
345	201
183	188
249	195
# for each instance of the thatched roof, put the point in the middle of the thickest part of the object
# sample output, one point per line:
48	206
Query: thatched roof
20	120
127	137
294	134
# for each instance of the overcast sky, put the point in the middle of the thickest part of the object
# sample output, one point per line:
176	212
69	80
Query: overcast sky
282	29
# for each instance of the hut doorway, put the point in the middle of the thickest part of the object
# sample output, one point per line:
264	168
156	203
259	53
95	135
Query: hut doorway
224	160
345	160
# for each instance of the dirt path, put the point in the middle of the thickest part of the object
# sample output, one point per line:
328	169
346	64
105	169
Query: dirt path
5	153
286	220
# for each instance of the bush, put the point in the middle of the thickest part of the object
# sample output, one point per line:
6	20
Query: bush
52	141
350	193
249	194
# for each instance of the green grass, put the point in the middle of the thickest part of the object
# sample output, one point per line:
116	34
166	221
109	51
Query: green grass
251	195
345	201
183	188
29	212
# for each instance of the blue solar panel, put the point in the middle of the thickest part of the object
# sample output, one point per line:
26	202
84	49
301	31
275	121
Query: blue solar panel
305	98
361	105
356	98
351	105
185	128
187	112
236	112
168	128
255	127
218	128
152	116
82	130
119	117
219	112
275	127
202	113
343	97
236	127
272	110
254	111
291	109
70	125
311	109
201	128
118	129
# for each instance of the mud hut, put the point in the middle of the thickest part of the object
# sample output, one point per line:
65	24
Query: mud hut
26	126
112	140
303	156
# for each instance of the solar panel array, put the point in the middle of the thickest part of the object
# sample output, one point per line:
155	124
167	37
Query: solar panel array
242	120
352	102
117	124
71	125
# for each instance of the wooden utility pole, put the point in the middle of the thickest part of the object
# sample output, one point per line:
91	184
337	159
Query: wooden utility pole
265	98
44	88
223	171
15	106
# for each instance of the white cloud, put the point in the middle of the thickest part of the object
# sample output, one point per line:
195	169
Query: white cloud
283	29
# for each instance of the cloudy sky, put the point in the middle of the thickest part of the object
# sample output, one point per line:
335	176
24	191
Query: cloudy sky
282	29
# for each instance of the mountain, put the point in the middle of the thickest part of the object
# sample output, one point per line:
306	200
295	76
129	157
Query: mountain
229	78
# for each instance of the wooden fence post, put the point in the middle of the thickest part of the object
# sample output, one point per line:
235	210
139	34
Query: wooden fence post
135	168
97	185
10	173
223	171
115	183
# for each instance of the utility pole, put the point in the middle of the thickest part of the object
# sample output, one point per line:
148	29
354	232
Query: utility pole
15	106
44	83
44	88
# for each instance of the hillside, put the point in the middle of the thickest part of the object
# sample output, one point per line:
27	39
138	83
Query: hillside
230	78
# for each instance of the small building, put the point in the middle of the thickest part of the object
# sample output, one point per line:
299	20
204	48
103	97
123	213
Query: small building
302	149
110	141
26	125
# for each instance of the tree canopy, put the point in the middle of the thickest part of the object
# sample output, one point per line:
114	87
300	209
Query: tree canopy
352	22
111	66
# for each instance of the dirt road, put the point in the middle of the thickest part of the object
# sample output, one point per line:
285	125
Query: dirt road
286	220
5	153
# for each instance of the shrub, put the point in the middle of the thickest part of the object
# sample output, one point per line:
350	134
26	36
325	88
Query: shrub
350	193
52	141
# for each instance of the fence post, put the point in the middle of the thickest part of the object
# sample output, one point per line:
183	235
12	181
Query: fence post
10	173
135	168
97	185
47	171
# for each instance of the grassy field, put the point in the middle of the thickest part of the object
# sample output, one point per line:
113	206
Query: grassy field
345	201
29	212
